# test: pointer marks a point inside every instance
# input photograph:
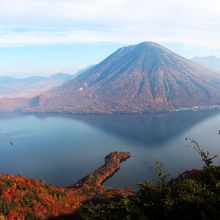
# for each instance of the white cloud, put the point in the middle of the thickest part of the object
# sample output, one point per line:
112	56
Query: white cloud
193	23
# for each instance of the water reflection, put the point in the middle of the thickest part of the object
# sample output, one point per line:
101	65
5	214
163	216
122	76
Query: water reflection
62	148
144	128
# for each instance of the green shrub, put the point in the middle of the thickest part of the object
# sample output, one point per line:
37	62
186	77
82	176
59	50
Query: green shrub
195	197
4	206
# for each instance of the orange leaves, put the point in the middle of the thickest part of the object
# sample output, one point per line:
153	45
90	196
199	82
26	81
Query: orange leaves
24	197
15	215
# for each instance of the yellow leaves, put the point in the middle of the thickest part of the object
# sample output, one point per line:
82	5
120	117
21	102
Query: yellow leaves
2	217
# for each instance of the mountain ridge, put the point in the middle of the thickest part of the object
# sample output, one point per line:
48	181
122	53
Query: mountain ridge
27	87
146	77
211	62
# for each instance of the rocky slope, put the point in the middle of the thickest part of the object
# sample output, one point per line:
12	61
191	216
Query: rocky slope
24	198
140	78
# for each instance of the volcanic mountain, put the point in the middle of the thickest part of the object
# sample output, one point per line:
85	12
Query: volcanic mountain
140	78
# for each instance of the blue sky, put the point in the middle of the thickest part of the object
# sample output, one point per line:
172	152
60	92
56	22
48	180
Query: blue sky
48	59
47	36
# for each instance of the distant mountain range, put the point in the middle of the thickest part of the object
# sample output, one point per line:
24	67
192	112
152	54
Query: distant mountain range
139	78
11	87
211	62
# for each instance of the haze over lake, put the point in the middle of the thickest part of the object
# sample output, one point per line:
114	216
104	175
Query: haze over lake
62	148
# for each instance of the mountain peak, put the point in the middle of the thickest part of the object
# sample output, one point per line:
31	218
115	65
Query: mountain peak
147	52
145	77
146	45
149	44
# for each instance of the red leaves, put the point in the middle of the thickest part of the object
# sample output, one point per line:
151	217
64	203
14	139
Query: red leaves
25	196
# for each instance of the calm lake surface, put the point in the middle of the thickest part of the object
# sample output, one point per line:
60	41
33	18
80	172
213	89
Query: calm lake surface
62	148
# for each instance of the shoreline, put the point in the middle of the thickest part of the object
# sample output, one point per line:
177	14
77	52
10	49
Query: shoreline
26	196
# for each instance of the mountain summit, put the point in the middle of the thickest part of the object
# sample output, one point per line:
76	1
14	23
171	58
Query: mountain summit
140	78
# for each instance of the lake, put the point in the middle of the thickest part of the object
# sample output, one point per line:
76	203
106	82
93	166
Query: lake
62	148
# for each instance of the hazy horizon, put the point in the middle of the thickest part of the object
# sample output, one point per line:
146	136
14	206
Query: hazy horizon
45	37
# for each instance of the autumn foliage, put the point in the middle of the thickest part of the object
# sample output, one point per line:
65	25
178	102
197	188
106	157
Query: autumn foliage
26	198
